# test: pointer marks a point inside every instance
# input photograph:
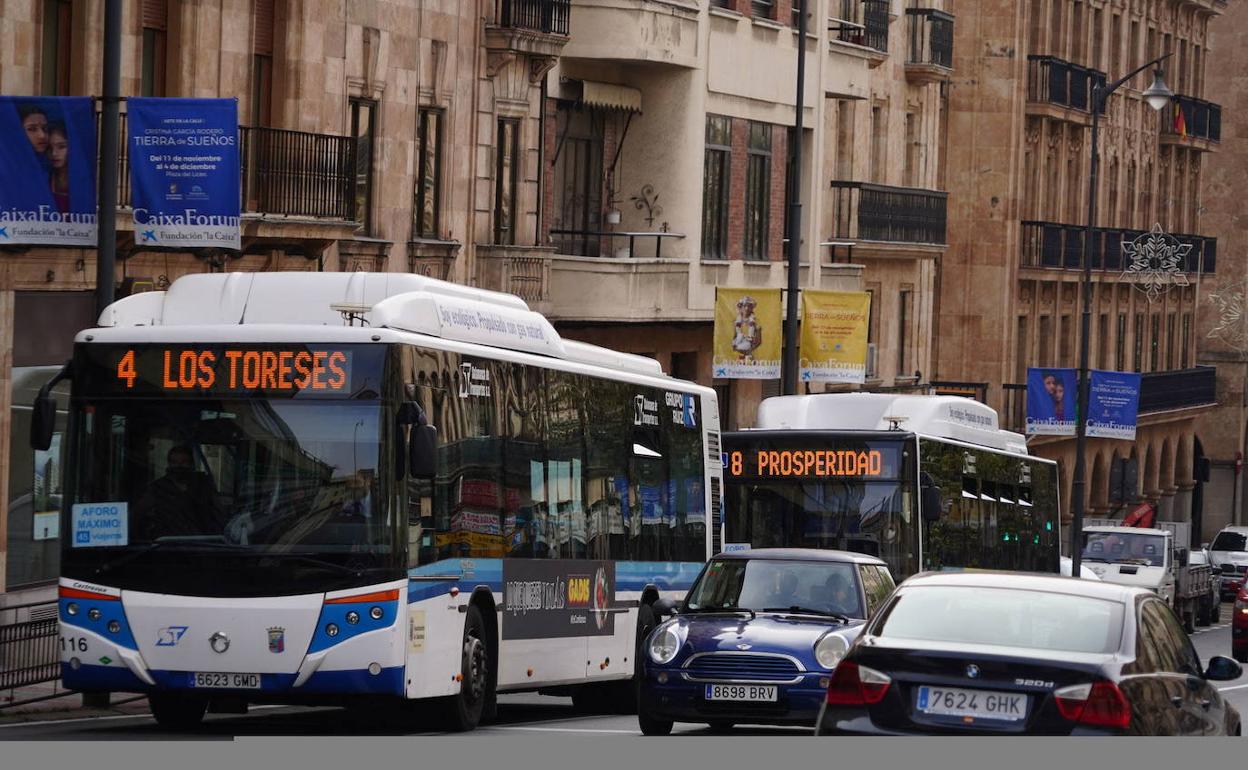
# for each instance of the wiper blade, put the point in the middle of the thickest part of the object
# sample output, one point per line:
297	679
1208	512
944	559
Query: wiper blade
353	571
722	611
126	558
796	610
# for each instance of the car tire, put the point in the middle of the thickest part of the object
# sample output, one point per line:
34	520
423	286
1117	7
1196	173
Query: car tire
1241	656
177	712
1215	612
467	708
653	726
1202	613
627	693
1189	623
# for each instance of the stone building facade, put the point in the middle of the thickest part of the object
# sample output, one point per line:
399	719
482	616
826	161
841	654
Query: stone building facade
1010	289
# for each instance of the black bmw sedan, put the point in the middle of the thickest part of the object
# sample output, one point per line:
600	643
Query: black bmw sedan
1014	653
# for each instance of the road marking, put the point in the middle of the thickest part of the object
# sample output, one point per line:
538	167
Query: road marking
1236	687
119	716
568	730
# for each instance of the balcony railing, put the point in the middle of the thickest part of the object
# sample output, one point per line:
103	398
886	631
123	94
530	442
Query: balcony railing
1053	245
1159	392
1200	119
588	243
288	173
865	22
1056	81
549	16
931	37
875	212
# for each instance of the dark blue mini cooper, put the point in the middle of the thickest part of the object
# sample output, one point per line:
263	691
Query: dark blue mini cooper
757	637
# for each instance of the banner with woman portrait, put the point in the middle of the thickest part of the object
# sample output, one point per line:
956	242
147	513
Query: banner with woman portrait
747	334
47	171
1051	399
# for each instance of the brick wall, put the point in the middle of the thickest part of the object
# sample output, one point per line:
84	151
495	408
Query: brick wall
779	155
549	142
736	188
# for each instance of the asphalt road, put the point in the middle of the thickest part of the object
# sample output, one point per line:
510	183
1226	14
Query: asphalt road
524	713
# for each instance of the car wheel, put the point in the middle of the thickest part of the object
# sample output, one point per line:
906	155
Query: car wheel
468	706
1215	612
627	693
653	726
1202	614
1189	624
177	712
1240	655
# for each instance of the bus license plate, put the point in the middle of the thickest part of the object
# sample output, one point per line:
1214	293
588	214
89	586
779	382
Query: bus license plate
981	704
755	692
227	681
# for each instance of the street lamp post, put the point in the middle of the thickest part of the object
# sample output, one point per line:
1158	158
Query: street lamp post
789	373
1158	96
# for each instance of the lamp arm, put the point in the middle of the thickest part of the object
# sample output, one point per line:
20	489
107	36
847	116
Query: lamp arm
1105	91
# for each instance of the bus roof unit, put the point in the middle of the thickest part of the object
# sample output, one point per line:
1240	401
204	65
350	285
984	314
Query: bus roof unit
402	301
951	417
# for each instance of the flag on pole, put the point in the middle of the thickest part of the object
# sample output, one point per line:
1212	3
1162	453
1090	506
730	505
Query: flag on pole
1180	122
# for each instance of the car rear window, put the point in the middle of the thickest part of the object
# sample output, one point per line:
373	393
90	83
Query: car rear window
1004	616
1229	541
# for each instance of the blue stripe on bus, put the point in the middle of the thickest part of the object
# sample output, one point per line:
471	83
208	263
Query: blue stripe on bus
389	681
470	573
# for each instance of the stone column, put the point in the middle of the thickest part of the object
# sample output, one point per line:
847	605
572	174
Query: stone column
1183	501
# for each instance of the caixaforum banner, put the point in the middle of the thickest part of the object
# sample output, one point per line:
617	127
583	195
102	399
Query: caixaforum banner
747	334
47	171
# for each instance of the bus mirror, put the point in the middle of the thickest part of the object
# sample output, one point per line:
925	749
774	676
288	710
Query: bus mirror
43	414
42	421
931	502
422	452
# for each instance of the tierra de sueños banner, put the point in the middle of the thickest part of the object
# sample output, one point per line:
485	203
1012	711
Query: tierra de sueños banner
184	172
834	336
47	171
747	334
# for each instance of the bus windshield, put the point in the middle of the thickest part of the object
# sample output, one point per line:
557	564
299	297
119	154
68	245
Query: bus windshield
231	496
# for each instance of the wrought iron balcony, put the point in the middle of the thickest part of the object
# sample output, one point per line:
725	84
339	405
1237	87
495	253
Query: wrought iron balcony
547	16
865	22
1188	117
930	34
1053	245
1055	81
289	173
876	212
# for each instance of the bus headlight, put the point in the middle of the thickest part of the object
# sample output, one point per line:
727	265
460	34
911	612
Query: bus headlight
666	643
830	650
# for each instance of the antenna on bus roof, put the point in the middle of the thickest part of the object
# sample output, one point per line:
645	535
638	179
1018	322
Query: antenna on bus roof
894	422
352	312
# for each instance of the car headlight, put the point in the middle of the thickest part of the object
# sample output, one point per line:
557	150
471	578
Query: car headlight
666	643
830	650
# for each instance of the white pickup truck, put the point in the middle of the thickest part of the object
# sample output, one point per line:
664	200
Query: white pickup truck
1154	558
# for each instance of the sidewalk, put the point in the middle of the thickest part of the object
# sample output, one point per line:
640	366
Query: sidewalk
69	705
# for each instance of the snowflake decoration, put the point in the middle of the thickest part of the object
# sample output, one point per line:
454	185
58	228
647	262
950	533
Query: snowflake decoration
1156	262
1231	324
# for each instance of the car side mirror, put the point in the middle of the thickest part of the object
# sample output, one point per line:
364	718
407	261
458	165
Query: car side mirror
929	499
1223	669
422	452
1180	556
665	608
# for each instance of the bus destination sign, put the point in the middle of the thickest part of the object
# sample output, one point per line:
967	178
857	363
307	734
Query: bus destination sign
310	370
877	460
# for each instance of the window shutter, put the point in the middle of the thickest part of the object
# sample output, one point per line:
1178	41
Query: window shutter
155	14
262	17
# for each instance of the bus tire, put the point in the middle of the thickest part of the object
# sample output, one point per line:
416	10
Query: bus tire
177	712
467	707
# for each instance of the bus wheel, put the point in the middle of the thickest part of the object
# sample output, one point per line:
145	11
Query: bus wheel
474	692
177	712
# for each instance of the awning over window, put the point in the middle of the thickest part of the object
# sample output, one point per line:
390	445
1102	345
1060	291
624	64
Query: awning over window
610	96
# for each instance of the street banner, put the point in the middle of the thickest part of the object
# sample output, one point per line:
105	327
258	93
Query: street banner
184	172
47	171
747	334
1051	396
1113	404
834	336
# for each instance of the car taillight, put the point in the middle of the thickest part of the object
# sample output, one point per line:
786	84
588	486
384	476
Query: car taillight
855	685
1101	704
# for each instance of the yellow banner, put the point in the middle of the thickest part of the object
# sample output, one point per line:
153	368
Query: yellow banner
747	334
834	336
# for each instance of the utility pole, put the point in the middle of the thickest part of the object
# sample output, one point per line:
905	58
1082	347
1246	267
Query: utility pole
110	122
789	372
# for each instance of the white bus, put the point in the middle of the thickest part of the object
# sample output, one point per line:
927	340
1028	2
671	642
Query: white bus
311	487
923	482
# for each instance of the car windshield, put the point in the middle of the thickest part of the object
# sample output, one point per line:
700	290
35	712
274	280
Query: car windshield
822	587
1125	548
1230	541
1001	616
